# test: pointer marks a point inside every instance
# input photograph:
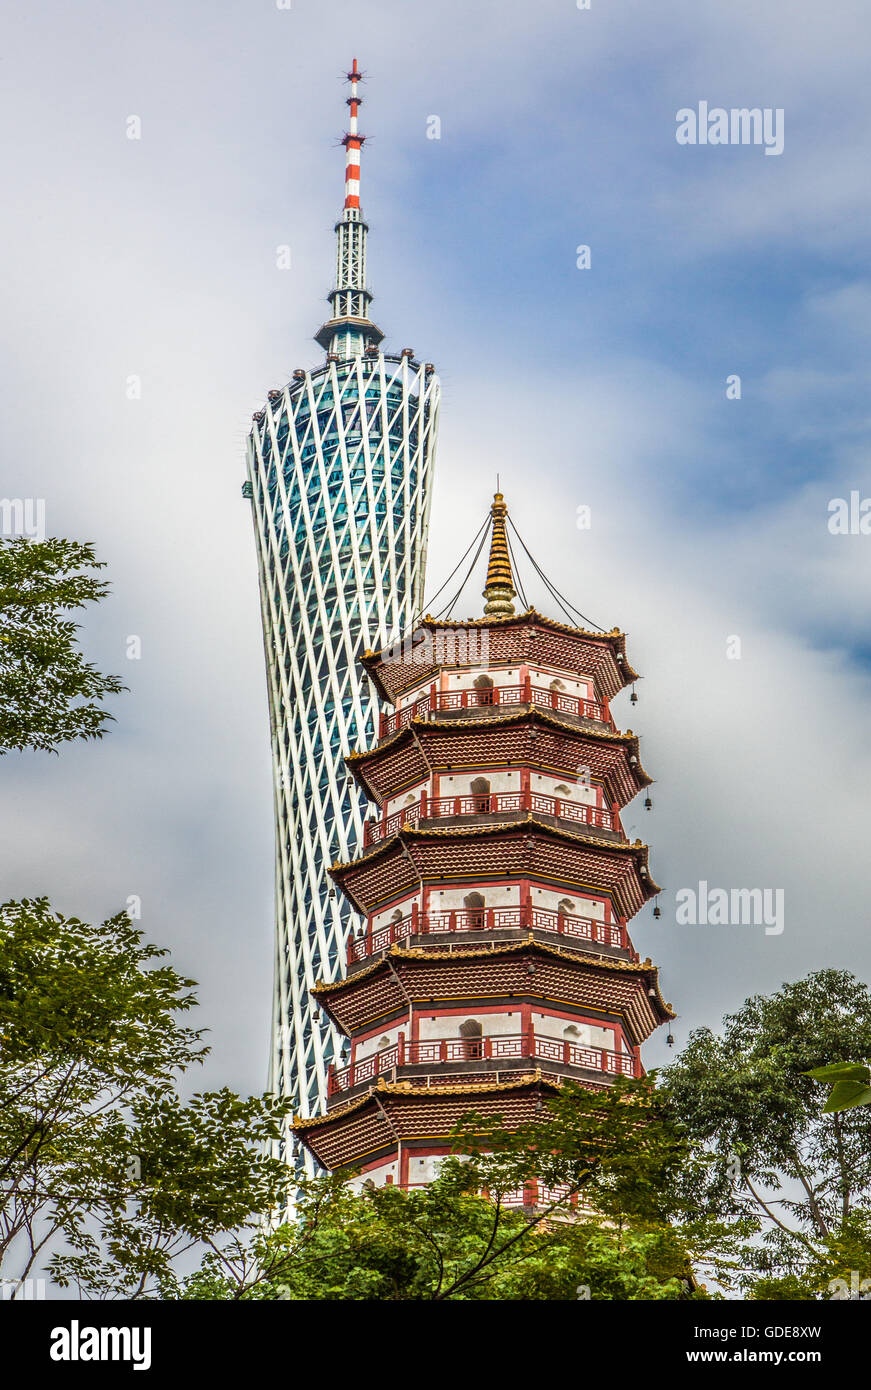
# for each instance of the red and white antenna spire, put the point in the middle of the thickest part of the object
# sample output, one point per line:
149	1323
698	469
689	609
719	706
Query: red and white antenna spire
350	331
353	143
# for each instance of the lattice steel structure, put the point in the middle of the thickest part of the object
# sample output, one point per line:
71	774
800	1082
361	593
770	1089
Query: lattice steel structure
340	477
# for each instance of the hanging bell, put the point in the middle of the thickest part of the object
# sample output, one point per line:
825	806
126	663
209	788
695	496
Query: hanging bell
648	804
670	1040
657	912
633	698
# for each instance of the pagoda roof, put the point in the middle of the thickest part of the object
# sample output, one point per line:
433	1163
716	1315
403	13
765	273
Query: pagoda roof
410	838
408	1088
413	832
614	635
371	1124
654	1012
421	730
374	663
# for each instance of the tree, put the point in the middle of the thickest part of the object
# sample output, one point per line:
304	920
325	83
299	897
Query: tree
104	1172
799	1176
460	1239
48	693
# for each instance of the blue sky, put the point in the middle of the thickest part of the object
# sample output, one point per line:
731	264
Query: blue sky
603	387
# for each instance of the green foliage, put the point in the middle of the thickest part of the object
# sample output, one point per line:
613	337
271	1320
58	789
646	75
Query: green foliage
194	1174
839	1268
97	1152
780	1165
48	693
617	1144
459	1239
786	1289
434	1245
851	1085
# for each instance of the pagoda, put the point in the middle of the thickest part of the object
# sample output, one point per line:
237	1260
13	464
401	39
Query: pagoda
496	884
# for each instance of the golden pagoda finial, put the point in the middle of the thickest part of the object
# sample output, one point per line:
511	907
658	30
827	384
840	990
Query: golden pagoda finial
499	590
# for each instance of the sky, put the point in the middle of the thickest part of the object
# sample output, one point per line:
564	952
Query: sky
604	388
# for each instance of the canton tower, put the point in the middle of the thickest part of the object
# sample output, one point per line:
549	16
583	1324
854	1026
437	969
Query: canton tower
340	464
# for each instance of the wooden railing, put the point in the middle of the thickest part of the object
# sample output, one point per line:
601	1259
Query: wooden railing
533	1194
489	804
487	919
498	1049
499	696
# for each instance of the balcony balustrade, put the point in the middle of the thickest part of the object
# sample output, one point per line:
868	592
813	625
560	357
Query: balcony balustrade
498	1049
533	1195
490	804
500	696
487	919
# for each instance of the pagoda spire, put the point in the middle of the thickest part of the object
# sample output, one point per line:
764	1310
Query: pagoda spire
350	331
499	590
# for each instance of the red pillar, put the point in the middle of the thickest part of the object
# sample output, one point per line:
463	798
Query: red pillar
525	787
526	903
527	1030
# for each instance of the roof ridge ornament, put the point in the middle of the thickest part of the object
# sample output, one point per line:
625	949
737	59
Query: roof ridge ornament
499	590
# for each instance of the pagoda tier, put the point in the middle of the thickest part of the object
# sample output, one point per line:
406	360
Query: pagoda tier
534	1001
532	753
526	864
496	883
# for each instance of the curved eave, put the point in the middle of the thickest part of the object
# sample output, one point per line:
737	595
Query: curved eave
407	1088
638	851
371	663
615	639
646	969
358	759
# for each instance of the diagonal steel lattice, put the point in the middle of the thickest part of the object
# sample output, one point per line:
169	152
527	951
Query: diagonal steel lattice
340	474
